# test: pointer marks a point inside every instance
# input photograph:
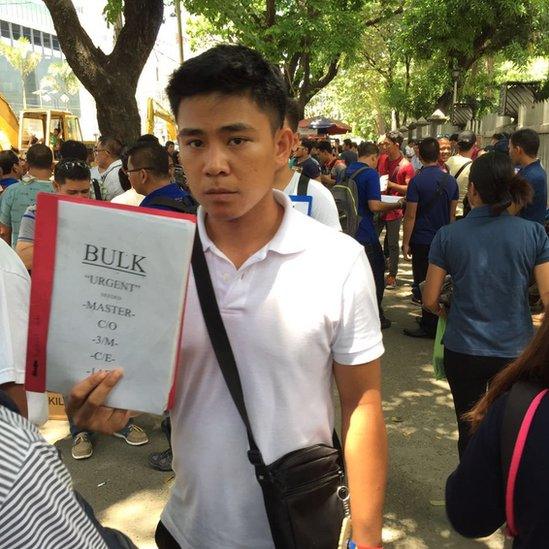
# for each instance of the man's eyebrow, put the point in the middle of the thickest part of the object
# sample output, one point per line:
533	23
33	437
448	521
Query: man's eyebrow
185	132
236	127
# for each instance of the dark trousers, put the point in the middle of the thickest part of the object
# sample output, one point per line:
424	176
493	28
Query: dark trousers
163	538
375	256
420	264
469	377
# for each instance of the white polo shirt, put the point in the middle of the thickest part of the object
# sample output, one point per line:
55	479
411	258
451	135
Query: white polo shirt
305	299
110	182
14	315
323	206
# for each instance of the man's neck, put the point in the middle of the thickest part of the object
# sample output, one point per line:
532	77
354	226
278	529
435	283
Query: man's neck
429	164
154	186
467	154
526	161
364	160
37	173
303	158
394	155
283	177
240	238
9	176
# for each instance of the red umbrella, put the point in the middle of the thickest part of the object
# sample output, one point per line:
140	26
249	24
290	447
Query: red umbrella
325	125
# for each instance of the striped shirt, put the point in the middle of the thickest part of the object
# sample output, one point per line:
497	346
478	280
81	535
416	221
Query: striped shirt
38	508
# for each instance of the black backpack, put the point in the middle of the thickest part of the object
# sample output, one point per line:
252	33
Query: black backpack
187	205
345	195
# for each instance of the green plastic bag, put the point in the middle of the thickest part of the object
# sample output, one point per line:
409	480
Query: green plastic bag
438	349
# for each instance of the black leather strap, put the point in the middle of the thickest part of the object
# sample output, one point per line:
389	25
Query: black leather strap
97	189
458	173
220	342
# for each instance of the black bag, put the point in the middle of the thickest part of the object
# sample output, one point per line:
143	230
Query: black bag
304	490
187	205
345	194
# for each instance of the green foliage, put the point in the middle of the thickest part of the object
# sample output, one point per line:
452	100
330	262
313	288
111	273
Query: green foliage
21	57
309	39
113	10
60	79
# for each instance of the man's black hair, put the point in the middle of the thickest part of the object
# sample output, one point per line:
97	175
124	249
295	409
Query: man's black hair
454	137
292	114
40	156
429	149
73	149
71	168
395	137
308	144
153	156
8	159
325	146
231	71
527	140
147	138
498	136
168	143
367	148
347	142
112	144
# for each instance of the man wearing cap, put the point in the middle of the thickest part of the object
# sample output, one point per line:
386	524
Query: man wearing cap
460	164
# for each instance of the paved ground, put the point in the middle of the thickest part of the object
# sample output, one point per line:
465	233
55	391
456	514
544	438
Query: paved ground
126	494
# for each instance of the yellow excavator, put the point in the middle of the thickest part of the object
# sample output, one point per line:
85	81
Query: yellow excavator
35	125
154	110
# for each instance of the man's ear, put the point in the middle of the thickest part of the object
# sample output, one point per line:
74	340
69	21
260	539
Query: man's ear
284	143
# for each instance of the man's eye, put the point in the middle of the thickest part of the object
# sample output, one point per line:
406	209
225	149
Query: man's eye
194	144
237	141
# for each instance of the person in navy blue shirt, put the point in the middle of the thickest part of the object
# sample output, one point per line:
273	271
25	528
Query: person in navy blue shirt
523	150
306	164
475	496
10	169
491	257
364	173
149	174
432	199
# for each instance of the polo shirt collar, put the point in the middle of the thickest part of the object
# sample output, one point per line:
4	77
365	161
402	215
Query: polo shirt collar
483	211
289	239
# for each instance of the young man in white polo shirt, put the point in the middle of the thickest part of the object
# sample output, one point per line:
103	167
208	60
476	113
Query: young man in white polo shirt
298	303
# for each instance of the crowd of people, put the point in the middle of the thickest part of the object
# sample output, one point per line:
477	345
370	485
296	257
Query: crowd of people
301	303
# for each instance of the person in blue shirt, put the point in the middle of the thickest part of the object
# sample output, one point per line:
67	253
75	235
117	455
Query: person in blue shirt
10	169
523	150
305	163
149	174
364	173
432	199
491	257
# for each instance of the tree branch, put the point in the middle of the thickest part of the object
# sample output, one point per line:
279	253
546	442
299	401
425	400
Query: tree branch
270	13
384	17
87	61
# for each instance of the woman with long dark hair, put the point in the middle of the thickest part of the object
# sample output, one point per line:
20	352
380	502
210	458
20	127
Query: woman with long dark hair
475	492
491	257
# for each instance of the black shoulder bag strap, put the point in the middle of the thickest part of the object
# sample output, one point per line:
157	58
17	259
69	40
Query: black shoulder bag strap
520	397
441	187
458	173
357	172
97	189
220	342
303	185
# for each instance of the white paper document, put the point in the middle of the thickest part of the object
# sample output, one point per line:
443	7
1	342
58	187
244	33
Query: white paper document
117	301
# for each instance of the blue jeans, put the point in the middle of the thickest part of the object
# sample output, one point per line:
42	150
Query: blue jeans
375	256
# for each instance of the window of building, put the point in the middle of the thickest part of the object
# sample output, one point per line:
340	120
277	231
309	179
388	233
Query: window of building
16	31
37	38
27	33
47	40
4	29
55	43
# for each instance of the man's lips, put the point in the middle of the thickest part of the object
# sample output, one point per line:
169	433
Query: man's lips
219	190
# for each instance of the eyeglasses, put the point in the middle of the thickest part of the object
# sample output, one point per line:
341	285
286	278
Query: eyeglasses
100	150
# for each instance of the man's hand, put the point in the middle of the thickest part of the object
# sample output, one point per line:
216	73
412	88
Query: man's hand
85	405
406	252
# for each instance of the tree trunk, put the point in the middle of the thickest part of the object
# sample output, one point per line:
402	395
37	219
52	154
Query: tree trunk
111	79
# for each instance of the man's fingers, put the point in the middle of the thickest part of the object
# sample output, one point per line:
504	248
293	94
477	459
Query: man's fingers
98	396
81	390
